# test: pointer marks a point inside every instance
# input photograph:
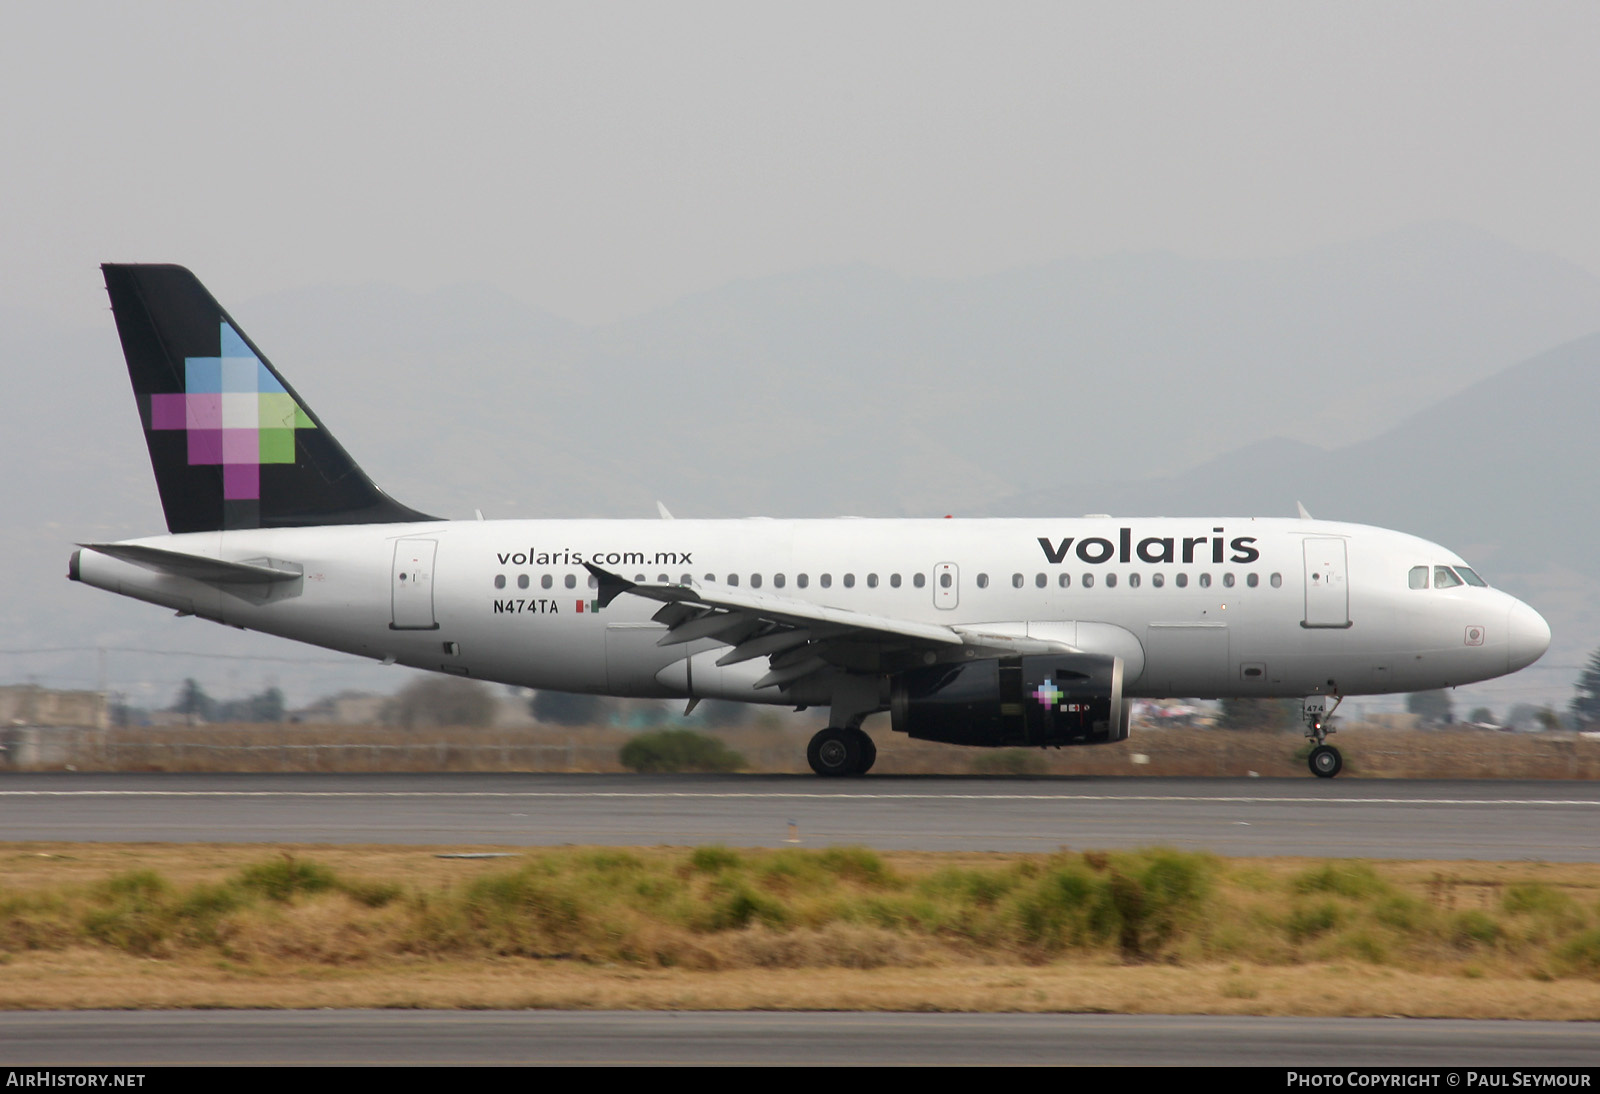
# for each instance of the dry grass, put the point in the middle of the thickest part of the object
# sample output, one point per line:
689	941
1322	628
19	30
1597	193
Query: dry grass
780	748
83	980
155	926
1368	752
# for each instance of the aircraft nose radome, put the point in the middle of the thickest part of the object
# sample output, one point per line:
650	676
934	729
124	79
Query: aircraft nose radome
1529	636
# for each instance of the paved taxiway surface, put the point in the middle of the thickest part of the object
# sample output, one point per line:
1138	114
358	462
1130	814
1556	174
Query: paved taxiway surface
565	1037
1555	821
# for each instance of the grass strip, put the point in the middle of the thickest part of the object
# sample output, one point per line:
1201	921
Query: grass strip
1232	928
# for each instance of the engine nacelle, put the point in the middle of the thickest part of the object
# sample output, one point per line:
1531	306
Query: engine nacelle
1039	700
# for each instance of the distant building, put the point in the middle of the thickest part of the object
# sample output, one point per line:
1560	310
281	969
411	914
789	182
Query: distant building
31	705
1172	714
1395	721
41	727
347	708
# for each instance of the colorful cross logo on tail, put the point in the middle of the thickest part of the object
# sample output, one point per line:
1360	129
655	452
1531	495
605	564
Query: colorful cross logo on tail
1048	694
237	414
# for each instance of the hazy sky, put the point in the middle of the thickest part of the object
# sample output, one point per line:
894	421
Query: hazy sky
599	159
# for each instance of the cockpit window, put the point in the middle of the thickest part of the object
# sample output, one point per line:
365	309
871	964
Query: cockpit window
1445	578
1418	577
1471	577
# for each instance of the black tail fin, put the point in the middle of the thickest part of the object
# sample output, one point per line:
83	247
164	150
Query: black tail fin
231	443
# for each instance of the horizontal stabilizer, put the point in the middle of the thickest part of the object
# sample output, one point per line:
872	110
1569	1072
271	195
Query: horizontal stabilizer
215	571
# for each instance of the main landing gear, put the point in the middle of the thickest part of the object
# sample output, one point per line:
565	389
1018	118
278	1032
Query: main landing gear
1325	761
844	747
841	750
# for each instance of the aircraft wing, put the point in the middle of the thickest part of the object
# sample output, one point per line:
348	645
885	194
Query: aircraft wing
798	636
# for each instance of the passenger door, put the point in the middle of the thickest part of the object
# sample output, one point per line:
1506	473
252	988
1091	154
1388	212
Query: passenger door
1327	587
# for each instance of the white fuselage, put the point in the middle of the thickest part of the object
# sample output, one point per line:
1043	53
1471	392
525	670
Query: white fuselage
1194	607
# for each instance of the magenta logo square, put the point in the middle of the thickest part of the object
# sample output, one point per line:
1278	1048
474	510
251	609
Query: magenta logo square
205	446
241	481
169	412
205	412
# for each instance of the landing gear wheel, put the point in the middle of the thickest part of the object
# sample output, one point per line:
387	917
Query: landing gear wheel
869	752
835	752
1325	761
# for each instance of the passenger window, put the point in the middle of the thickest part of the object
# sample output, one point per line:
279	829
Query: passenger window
711	578
1227	580
777	581
1252	580
572	581
894	581
663	579
849	581
1133	581
499	581
1445	578
1088	581
872	581
802	580
1016	581
1064	580
983	580
1040	581
1418	578
1158	580
639	579
944	581
688	579
1111	581
826	581
522	581
755	581
1205	581
1183	581
593	582
1277	581
733	579
918	580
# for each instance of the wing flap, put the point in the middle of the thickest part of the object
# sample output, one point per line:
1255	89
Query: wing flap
709	624
765	645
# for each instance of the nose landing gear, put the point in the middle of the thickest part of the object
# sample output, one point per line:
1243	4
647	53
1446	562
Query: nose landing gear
1325	761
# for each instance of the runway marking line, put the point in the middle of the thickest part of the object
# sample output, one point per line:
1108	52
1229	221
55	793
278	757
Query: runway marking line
802	795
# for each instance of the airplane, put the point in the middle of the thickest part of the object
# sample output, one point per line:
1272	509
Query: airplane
981	632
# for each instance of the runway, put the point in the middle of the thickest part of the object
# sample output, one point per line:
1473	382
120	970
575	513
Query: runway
413	1038
1501	820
